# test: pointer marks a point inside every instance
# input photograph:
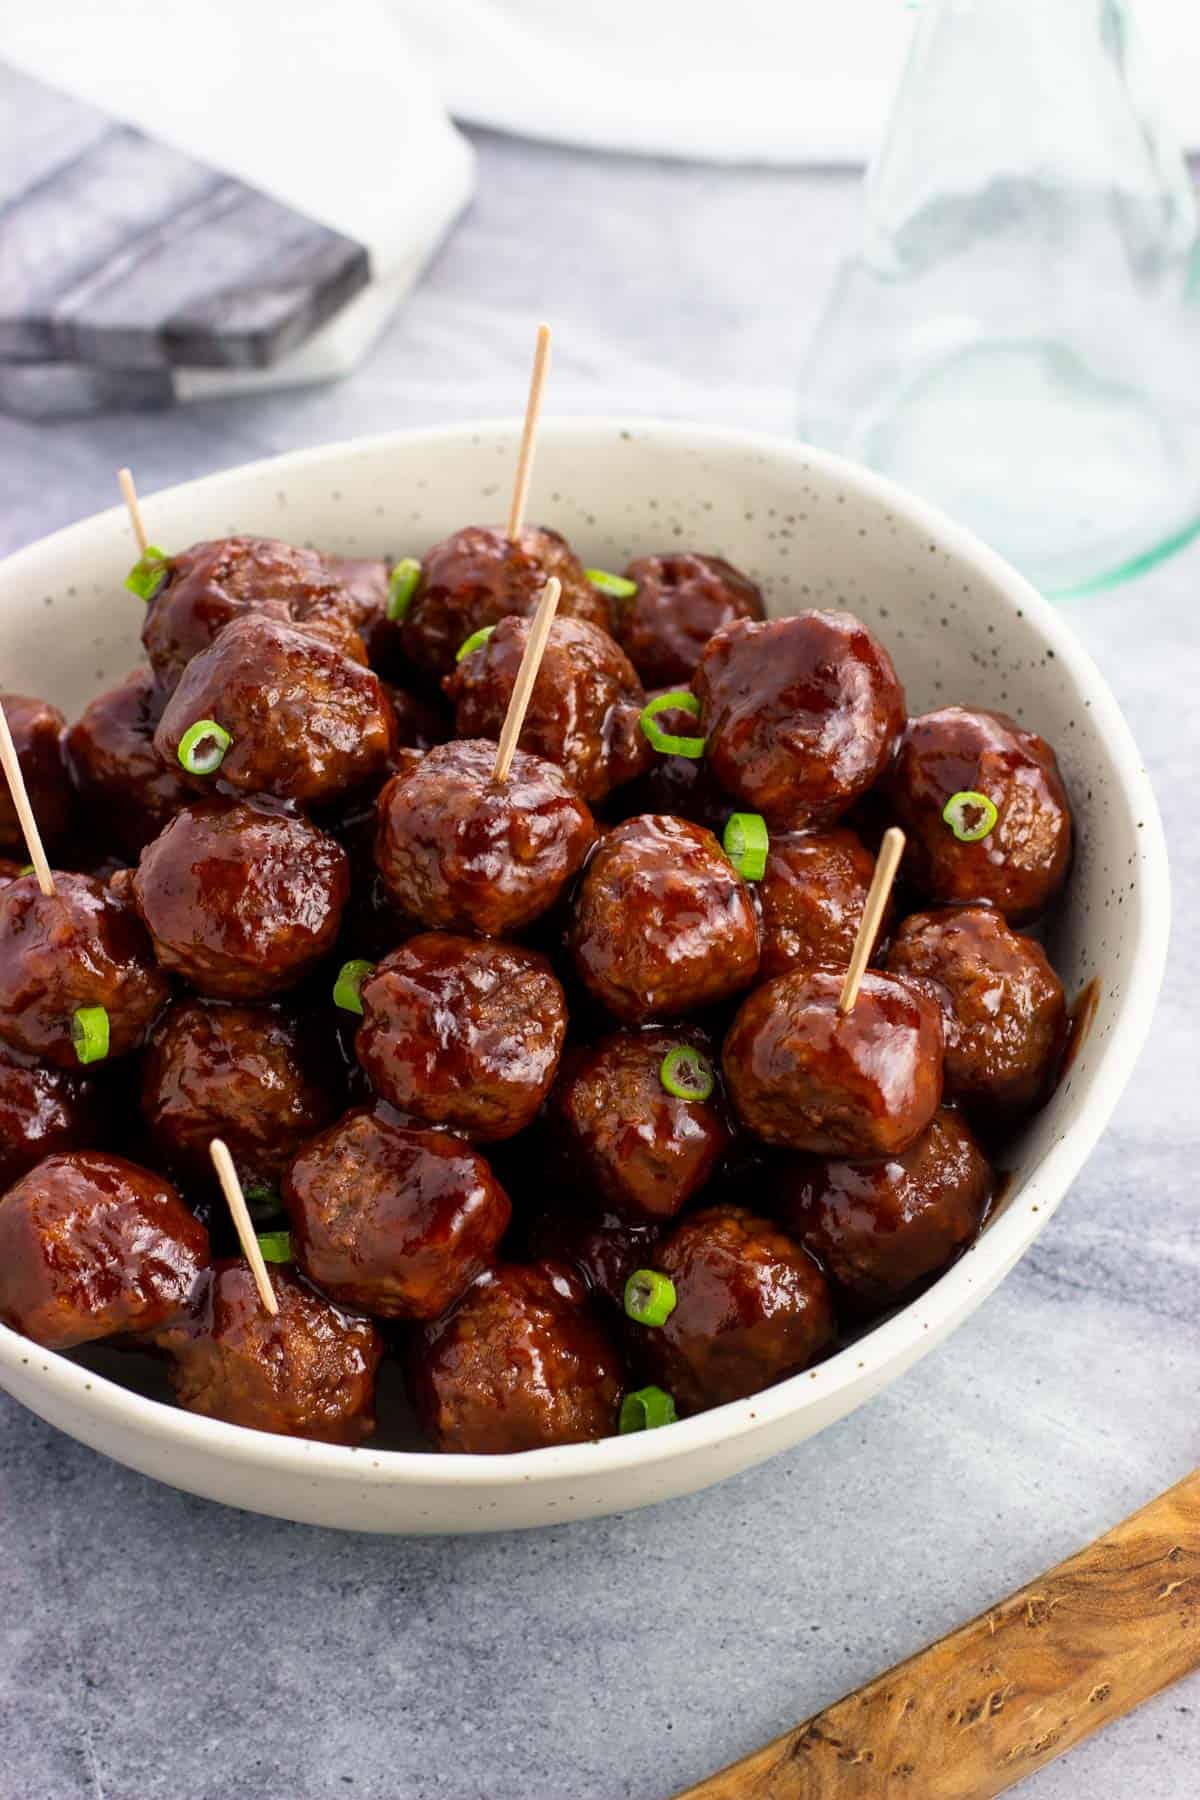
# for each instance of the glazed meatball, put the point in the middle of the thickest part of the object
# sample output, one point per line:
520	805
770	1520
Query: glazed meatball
43	1111
463	1032
308	1372
392	1219
80	948
459	851
36	728
603	1247
306	722
240	898
1003	1007
584	709
751	1308
1021	862
804	1076
663	923
91	1245
479	576
878	1228
812	895
800	715
205	587
681	600
121	779
639	1147
252	1075
518	1365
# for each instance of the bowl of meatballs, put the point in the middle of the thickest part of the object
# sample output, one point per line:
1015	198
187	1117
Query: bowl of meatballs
582	1174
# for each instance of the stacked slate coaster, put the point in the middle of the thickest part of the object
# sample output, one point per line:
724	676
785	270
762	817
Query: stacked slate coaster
135	275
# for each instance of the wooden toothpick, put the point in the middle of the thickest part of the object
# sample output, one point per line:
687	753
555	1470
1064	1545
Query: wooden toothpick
531	662
533	407
129	495
231	1187
886	864
10	763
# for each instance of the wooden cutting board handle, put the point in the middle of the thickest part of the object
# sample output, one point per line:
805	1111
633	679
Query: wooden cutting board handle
1018	1686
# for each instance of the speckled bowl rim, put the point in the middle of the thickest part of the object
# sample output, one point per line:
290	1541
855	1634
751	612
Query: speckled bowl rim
899	1338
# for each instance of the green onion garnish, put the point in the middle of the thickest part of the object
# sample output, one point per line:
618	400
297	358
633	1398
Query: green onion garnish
89	1033
402	585
746	843
617	587
261	1199
686	1073
649	1297
276	1246
679	700
347	989
646	1409
148	573
474	641
202	747
25	869
969	815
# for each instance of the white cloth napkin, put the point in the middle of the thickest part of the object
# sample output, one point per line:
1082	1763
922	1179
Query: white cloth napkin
763	80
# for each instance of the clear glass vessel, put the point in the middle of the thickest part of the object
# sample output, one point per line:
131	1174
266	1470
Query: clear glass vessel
1018	338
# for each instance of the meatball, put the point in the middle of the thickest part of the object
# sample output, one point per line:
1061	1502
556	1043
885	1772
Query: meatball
681	600
392	1219
518	1365
639	1147
878	1228
91	1245
603	1247
459	851
305	722
210	584
804	1076
123	782
812	895
81	947
800	714
751	1308
1003	1007
663	923
584	709
1021	862
479	576
241	898
308	1371
36	729
251	1075
463	1032
43	1111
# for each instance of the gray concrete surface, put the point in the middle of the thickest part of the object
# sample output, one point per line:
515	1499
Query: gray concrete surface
155	1647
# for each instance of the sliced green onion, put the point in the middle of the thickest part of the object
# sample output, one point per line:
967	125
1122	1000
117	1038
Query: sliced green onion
686	1073
646	1409
89	1033
261	1199
679	700
276	1246
617	587
402	585
202	747
746	843
474	641
25	869
148	573
969	815
649	1297
347	989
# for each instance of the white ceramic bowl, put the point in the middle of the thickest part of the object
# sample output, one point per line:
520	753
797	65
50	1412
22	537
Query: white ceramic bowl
816	531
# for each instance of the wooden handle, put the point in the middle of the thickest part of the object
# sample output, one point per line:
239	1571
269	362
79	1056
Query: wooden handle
1018	1686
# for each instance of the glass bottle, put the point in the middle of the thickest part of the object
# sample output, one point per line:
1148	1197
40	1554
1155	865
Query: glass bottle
1018	338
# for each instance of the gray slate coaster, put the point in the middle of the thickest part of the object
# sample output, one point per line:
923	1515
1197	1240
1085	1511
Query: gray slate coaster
123	254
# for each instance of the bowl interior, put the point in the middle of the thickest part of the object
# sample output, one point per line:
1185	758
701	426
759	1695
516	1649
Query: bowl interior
814	532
